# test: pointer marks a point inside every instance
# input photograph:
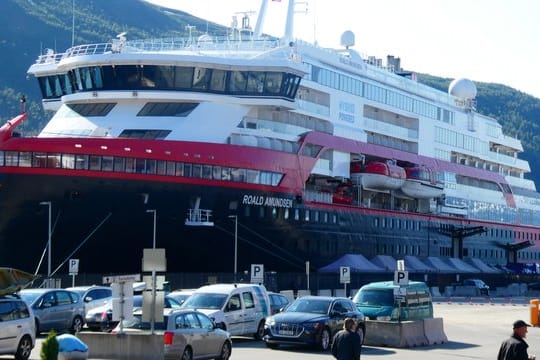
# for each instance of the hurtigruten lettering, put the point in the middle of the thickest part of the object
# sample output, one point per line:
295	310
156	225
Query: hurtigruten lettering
266	201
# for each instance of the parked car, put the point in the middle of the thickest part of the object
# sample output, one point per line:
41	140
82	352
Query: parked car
100	318
180	295
481	287
188	334
277	302
311	320
240	309
17	328
92	296
55	309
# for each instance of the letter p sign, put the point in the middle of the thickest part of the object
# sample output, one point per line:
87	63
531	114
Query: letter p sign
401	278
257	273
344	275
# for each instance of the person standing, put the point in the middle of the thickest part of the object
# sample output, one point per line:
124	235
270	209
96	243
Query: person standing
515	347
346	344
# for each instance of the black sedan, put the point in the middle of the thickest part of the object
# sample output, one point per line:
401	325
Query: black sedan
311	320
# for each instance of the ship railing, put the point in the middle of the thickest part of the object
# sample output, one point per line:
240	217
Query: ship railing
160	45
199	217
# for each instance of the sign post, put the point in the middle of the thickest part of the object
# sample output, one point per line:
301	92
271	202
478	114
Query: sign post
307	273
345	277
73	269
401	278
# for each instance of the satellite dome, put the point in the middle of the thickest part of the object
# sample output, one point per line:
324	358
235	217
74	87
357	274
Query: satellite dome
347	39
462	88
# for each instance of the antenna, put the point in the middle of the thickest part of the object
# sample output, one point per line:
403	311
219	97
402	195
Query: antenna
72	23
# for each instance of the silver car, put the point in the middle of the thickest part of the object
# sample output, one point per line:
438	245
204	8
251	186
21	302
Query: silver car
188	334
17	334
92	296
55	309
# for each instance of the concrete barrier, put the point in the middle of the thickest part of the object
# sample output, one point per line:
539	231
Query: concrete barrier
395	334
123	347
434	331
406	333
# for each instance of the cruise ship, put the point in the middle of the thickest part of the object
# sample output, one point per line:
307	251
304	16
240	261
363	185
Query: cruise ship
247	149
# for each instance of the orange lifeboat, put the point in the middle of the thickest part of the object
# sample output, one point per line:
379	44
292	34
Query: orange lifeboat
379	175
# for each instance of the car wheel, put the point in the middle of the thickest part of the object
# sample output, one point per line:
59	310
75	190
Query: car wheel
225	351
77	325
187	354
260	331
24	349
324	342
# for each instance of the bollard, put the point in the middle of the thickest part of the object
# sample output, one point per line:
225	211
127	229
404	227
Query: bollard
534	311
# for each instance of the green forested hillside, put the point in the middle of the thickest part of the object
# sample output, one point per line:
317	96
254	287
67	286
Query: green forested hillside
28	27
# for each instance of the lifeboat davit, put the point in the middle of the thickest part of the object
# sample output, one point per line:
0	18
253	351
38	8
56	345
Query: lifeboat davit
379	175
422	183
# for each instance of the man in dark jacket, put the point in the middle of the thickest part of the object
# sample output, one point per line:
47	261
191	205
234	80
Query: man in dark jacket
515	347
346	343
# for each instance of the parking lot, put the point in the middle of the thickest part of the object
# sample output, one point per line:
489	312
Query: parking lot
474	330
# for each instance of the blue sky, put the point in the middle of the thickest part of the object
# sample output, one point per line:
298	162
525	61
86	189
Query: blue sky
483	40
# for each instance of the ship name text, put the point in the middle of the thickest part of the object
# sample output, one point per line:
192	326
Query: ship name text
267	201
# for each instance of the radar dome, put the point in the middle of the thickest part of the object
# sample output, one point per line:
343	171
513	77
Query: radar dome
347	39
462	88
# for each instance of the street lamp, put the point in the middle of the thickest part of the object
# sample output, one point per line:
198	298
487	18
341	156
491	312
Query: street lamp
48	203
154	237
235	217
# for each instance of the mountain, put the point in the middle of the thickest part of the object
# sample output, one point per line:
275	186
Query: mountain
28	27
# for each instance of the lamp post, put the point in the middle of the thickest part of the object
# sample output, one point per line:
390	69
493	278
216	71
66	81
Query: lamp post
154	237
235	217
48	203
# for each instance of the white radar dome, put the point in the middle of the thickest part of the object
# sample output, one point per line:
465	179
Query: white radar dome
347	39
462	88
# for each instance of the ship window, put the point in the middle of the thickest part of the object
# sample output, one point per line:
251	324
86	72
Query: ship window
81	162
171	168
216	173
119	164
273	82
238	175
238	81
226	173
187	170
276	178
306	215
286	214
107	163
201	77
197	171
183	78
218	79
93	109
252	176
316	216
68	161
151	166
11	158
255	82
178	109
334	218
95	162
130	165
207	172
144	134
161	167
325	217
25	159
261	212
296	214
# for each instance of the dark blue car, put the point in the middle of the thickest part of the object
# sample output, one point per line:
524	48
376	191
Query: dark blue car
311	320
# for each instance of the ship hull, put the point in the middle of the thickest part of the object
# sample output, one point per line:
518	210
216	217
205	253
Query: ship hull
105	224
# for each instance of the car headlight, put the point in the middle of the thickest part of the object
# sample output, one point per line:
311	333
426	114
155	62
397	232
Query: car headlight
270	322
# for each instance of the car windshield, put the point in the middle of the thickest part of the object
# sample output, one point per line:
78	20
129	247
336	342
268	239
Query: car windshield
383	297
137	323
205	301
316	306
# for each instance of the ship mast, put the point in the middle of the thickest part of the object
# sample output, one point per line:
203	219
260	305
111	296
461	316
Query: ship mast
289	25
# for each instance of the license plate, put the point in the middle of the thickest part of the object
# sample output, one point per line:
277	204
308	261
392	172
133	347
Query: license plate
287	332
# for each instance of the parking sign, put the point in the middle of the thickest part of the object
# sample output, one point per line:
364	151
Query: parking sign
345	275
257	273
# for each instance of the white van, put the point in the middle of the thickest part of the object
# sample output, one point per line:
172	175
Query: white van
241	309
